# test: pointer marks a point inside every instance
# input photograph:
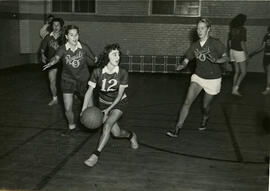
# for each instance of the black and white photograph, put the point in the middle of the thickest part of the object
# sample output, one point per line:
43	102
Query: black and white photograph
134	95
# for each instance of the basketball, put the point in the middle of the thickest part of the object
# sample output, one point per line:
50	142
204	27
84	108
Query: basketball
92	117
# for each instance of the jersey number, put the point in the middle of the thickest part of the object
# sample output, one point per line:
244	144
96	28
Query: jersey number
112	83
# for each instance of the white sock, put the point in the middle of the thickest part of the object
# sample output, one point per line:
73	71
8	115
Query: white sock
54	98
71	126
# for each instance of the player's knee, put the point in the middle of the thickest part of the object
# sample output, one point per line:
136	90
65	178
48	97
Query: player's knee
115	134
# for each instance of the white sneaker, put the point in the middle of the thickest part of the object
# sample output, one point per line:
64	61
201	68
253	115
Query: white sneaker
91	161
133	141
53	102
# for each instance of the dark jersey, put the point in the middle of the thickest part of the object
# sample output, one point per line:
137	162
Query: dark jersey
50	45
75	64
237	35
266	40
109	83
204	68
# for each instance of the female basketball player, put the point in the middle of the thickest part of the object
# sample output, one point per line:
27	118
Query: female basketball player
49	46
238	51
112	82
75	73
209	53
265	46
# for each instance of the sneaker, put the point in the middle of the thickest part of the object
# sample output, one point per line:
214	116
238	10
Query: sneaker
174	133
53	102
266	91
203	125
133	141
91	161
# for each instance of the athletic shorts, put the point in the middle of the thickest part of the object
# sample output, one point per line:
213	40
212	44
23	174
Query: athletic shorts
210	86
237	56
266	60
72	86
121	105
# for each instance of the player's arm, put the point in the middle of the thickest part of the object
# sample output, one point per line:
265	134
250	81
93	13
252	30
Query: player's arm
224	58
91	58
261	48
52	62
88	99
43	47
244	47
182	65
43	57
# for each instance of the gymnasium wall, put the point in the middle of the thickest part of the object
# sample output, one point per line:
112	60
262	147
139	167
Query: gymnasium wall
9	31
139	33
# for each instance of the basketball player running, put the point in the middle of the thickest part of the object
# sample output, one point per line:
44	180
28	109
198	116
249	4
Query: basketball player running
112	82
75	73
265	46
48	48
209	53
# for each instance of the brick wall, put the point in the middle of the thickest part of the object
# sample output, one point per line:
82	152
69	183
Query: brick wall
129	23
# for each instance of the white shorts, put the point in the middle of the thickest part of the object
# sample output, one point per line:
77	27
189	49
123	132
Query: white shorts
210	86
237	56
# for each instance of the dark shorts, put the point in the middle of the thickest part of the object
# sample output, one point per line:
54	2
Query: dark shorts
72	86
122	105
266	60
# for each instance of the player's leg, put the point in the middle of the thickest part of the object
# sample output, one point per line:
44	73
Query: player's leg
243	72
68	104
52	75
235	78
122	133
267	72
207	99
107	127
193	92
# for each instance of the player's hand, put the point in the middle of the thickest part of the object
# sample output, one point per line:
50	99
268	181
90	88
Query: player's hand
43	59
96	59
105	114
252	54
181	66
81	112
211	58
46	66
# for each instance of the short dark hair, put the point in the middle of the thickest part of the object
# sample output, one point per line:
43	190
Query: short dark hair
50	16
206	21
238	21
104	57
60	20
70	27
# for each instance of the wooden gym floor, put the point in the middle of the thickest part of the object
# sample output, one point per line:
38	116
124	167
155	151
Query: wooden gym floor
229	156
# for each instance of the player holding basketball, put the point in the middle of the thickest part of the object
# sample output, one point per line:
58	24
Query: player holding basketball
112	82
75	73
265	46
209	54
48	48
